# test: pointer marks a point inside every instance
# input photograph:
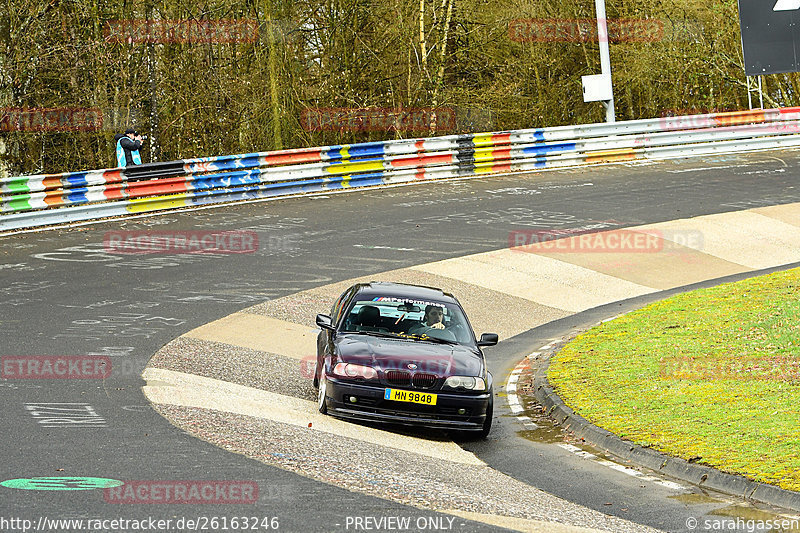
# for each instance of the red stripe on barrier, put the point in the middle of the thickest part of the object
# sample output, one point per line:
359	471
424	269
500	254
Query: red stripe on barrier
124	189
113	176
155	187
502	153
501	138
406	162
114	193
282	159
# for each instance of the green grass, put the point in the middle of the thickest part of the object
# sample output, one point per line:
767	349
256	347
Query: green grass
711	376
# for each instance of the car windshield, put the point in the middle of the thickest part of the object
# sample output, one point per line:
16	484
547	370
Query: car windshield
408	318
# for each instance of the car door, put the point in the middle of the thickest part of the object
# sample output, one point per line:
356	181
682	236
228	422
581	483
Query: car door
325	337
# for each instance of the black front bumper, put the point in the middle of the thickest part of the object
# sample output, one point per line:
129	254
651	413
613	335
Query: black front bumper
371	406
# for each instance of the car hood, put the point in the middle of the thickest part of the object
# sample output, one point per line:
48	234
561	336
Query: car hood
397	354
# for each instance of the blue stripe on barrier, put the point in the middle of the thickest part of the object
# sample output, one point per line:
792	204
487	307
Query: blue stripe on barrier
358	180
254	191
373	178
74	179
352	160
248	162
367	150
230	195
545	148
231	179
214	165
76	196
354	151
204	197
334	152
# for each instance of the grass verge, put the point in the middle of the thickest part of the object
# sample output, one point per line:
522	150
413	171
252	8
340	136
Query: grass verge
712	376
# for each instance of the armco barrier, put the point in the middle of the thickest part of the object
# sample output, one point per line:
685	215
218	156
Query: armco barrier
29	201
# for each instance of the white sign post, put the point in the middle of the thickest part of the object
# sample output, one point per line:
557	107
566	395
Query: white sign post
599	88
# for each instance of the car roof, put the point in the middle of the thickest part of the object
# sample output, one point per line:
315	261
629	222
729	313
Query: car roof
402	290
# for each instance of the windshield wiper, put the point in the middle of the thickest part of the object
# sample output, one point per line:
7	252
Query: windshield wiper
377	334
438	340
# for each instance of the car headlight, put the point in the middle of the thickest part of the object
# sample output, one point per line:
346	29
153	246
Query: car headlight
465	382
348	370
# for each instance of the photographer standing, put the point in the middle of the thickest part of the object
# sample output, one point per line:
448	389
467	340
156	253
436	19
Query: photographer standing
128	145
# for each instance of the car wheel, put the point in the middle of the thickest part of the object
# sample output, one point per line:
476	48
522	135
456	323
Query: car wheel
316	375
321	393
487	424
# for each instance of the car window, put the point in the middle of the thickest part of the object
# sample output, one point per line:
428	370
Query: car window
406	317
336	310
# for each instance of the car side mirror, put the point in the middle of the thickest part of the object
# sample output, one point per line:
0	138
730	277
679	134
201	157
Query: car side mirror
324	321
488	339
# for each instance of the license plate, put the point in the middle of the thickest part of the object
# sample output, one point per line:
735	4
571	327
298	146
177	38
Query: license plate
409	396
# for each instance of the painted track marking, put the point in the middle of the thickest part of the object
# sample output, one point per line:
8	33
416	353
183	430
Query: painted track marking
621	468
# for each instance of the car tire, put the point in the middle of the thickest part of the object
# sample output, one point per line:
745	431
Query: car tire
321	393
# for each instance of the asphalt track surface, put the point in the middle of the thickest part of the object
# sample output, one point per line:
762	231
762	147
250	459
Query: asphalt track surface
62	294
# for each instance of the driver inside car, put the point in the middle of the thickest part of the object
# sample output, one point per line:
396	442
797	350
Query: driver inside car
431	319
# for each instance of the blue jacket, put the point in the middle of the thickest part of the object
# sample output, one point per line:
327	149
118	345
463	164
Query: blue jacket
127	151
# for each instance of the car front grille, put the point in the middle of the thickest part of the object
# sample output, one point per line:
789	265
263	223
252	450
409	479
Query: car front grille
424	381
397	377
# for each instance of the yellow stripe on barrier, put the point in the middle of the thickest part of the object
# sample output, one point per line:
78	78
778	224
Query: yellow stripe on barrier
485	139
143	205
609	156
489	169
484	154
349	168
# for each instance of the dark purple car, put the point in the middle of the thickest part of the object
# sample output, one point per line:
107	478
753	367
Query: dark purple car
403	354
